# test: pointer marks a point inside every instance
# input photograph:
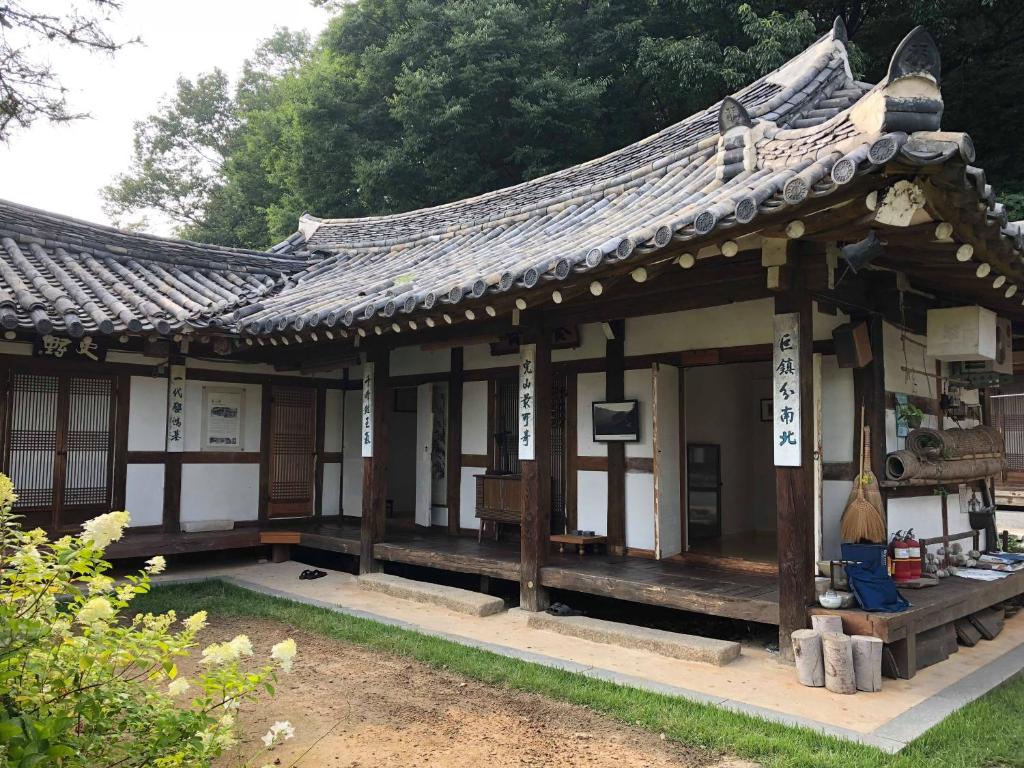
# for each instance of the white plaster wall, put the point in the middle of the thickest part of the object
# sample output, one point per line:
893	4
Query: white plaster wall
144	494
252	412
910	354
924	515
477	356
592	501
405	361
592	344
438	515
331	504
640	510
590	388
147	414
729	325
474	418
334	441
838	418
352	464
638	385
220	491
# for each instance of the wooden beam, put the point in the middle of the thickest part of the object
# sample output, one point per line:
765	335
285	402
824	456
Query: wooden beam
615	386
321	429
453	497
172	494
571	447
536	485
265	427
123	382
375	467
794	486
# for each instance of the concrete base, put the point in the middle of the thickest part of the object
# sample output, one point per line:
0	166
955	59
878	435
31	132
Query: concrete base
452	598
673	644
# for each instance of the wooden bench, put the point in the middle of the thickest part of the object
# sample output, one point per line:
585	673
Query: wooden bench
954	598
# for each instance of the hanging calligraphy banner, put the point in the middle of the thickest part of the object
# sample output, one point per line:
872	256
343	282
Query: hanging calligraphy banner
786	383
367	423
527	392
176	409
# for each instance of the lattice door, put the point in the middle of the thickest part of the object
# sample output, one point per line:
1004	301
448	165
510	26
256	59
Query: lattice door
60	447
292	451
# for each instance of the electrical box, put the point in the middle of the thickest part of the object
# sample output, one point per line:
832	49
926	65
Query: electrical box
962	334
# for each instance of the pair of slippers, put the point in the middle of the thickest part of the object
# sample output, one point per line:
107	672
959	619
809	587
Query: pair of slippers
308	575
561	609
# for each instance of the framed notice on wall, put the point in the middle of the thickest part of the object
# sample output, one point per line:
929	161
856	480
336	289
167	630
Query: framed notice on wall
223	409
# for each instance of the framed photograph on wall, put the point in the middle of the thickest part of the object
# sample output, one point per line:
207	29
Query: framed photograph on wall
223	422
616	421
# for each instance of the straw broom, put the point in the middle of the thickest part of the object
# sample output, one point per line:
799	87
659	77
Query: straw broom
863	519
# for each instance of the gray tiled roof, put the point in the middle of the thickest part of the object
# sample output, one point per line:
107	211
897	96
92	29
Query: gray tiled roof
67	276
806	131
799	133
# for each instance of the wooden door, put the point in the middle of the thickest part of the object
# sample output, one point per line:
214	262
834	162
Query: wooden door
60	447
668	533
292	461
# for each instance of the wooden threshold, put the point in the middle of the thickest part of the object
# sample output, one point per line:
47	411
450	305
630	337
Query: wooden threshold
729	563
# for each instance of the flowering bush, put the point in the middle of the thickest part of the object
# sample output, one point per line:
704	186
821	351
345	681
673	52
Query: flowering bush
85	683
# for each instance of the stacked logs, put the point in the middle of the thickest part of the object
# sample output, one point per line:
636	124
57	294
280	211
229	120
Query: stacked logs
826	657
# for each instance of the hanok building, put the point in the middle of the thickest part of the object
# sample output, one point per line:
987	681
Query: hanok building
651	347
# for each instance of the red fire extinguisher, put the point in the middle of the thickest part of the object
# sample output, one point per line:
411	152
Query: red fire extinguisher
901	558
891	552
913	553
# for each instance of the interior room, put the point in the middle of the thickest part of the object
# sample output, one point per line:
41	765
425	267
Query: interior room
731	510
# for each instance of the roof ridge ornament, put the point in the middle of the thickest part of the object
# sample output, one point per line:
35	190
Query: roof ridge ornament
731	113
839	30
916	55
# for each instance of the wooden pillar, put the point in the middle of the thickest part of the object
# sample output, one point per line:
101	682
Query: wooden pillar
536	478
615	389
453	497
375	465
319	441
794	485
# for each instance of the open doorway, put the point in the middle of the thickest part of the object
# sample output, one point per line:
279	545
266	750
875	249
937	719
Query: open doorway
730	477
417	456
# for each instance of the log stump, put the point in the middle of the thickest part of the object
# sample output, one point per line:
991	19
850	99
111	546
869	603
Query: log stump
810	665
837	651
826	623
867	662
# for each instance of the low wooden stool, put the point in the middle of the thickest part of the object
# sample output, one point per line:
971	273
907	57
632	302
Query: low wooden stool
579	541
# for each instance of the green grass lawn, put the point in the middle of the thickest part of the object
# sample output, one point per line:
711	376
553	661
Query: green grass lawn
989	732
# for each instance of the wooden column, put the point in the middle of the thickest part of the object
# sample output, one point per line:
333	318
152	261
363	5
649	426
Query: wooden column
375	467
615	389
120	459
869	391
794	486
453	497
536	486
319	440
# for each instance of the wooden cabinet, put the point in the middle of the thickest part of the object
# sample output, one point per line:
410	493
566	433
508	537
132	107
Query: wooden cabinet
498	500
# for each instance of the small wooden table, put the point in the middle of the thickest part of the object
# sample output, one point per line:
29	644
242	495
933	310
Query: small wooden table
579	541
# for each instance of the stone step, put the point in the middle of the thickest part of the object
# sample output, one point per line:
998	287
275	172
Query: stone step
672	644
459	600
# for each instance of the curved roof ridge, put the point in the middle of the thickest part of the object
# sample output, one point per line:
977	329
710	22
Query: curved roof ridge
781	92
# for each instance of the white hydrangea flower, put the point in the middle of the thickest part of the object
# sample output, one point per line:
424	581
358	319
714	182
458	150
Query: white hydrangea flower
125	593
283	653
100	584
282	730
106	528
196	621
178	686
156	564
95	609
219	653
241	645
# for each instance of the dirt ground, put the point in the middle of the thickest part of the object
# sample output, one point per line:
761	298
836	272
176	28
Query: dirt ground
353	708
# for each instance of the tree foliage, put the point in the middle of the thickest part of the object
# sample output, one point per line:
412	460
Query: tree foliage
406	103
30	89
